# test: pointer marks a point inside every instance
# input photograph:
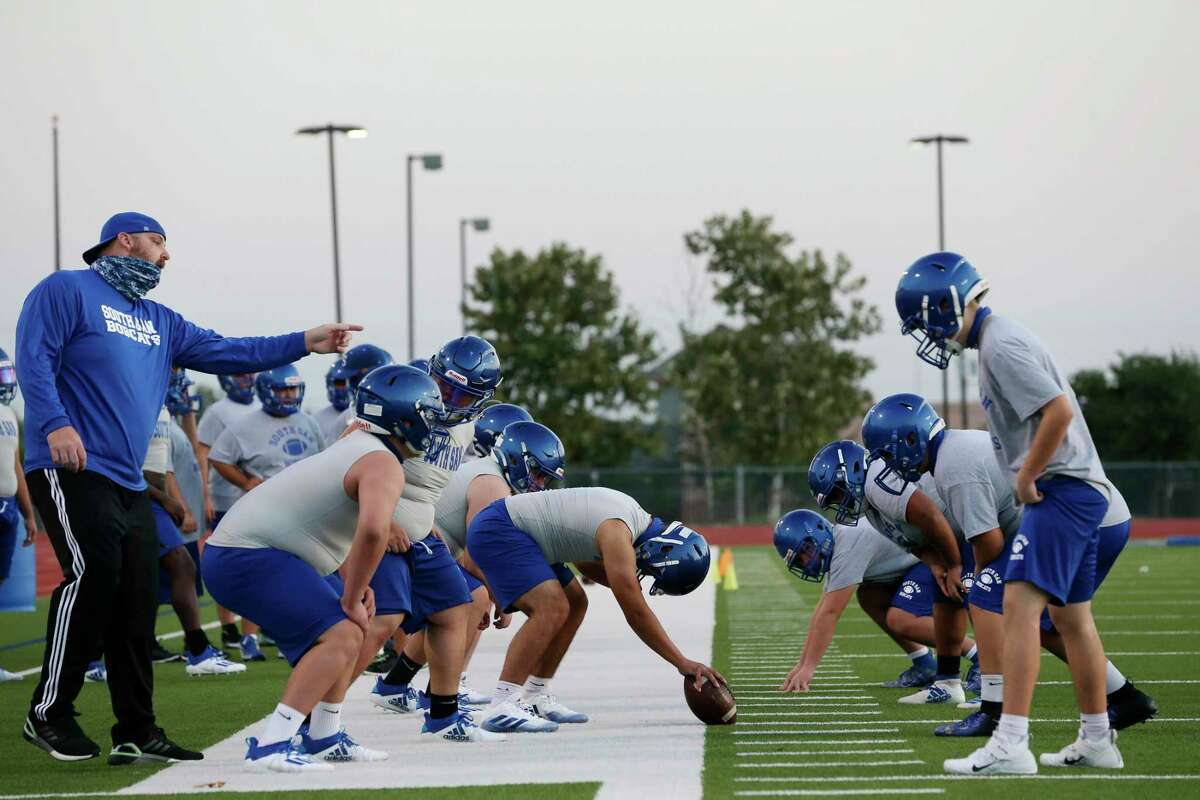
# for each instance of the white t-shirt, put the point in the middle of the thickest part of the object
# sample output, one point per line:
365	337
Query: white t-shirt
217	417
862	555
158	455
452	506
9	444
564	522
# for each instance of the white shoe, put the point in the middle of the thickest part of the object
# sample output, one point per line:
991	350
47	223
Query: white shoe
5	675
340	747
462	729
547	706
510	716
470	697
994	758
286	756
938	692
397	699
1087	753
974	704
211	662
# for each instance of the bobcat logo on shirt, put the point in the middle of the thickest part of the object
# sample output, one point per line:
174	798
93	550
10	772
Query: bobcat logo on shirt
1020	542
988	579
131	327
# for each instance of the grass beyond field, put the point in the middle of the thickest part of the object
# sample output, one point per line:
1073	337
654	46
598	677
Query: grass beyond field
848	736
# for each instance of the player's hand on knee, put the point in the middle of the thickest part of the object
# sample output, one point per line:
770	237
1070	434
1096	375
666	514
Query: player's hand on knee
66	449
952	585
503	620
356	612
398	541
369	602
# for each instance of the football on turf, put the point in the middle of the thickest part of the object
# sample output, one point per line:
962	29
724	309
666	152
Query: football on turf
712	703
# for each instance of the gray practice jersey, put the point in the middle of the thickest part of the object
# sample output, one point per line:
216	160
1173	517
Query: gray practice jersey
977	493
452	506
425	477
329	420
564	522
217	417
187	475
1017	378
861	555
304	510
1118	510
262	444
9	444
888	513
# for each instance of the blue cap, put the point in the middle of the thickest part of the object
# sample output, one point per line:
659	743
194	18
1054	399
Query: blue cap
124	222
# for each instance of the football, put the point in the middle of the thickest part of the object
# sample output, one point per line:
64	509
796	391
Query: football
713	704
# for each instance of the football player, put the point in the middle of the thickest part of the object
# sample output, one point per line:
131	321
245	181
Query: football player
337	390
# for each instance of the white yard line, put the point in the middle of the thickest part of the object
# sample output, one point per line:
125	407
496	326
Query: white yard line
896	762
802	705
837	743
940	777
834	792
170	635
823	731
873	751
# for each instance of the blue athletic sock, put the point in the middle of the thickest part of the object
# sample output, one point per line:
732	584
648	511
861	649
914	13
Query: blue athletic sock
925	663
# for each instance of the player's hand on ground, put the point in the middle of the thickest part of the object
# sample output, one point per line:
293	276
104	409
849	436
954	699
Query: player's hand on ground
502	620
189	522
356	612
798	679
398	541
333	337
66	449
700	671
1027	491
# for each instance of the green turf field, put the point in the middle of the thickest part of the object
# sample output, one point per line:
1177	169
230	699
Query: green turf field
868	744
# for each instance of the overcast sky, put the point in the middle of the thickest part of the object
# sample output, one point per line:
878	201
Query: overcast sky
615	127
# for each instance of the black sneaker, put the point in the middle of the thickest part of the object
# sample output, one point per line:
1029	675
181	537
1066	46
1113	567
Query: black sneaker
231	641
158	750
64	740
161	655
383	663
1134	706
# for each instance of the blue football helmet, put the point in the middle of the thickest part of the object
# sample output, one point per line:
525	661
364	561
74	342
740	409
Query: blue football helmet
238	387
530	456
179	400
421	364
402	401
492	421
337	385
837	477
8	378
280	390
675	556
804	540
360	360
898	430
931	298
467	371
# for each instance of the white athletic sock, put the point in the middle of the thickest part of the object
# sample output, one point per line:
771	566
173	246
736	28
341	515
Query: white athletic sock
505	691
1013	730
1095	726
916	654
1113	679
991	688
973	652
326	720
536	686
282	725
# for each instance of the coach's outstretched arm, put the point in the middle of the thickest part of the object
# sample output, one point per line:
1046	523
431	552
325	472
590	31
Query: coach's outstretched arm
206	350
620	566
821	627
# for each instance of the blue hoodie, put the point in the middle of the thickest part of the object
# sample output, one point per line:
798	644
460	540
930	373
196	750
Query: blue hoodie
89	357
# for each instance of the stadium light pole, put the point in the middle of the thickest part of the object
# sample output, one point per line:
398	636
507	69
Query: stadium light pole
432	162
939	139
351	132
481	225
57	225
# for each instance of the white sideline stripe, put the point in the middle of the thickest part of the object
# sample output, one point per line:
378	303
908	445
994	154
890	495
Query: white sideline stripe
797	701
814	714
1154	721
895	762
821	732
172	635
1046	654
832	743
802	705
833	792
943	777
873	751
829	694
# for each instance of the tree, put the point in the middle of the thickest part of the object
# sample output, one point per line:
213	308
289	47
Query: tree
1144	408
570	355
776	379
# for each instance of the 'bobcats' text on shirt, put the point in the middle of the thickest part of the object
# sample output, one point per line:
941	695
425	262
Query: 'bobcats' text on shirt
140	330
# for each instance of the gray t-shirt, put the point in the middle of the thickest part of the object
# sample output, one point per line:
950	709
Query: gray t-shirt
425	477
452	506
564	522
217	417
187	475
887	512
977	493
329	420
862	555
262	445
1017	378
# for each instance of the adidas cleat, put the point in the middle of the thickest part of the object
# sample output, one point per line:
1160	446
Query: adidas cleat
6	676
382	664
513	717
994	759
1139	707
458	728
212	662
940	693
973	679
1086	753
912	678
470	697
547	706
971	704
96	673
977	724
250	651
339	747
397	699
285	756
157	750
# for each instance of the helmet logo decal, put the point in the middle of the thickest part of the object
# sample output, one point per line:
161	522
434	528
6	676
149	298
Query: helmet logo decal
457	377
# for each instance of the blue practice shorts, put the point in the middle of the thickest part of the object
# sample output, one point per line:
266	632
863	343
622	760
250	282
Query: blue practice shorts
967	556
914	593
10	527
1110	543
473	583
1056	547
509	557
169	536
278	590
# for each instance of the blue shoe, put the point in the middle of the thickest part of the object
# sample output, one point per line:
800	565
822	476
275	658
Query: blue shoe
977	724
458	728
401	699
96	673
285	756
250	651
338	747
912	678
973	681
510	716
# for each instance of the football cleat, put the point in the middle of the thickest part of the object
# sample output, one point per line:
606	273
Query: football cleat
382	664
212	662
339	747
285	756
1087	753
158	749
250	651
912	678
977	724
470	697
230	641
397	699
974	679
96	673
1139	707
994	759
161	655
508	716
5	675
971	704
940	692
460	727
265	640
547	706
